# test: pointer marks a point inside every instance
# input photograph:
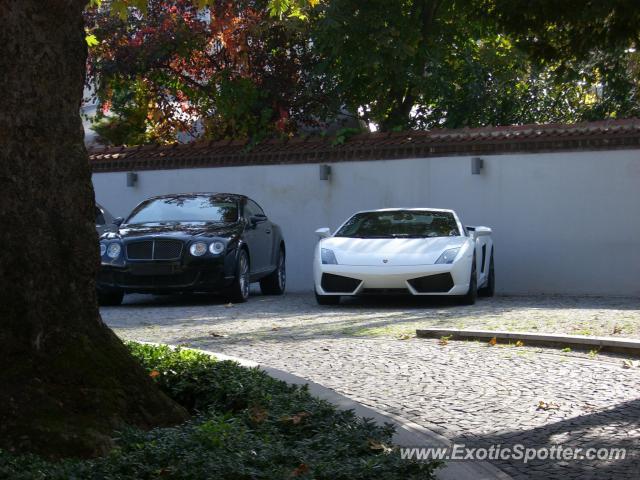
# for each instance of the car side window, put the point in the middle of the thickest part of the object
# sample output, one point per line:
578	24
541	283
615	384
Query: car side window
251	208
248	211
99	217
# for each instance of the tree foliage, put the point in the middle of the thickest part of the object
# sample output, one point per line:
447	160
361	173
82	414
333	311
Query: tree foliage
457	63
227	71
252	68
588	43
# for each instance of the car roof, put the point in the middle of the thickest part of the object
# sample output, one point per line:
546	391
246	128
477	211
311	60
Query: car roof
418	209
220	195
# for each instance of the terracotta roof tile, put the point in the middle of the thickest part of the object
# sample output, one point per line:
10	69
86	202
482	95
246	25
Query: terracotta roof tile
610	134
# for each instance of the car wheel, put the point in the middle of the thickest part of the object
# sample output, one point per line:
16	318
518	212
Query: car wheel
327	299
472	293
490	288
110	298
239	292
275	282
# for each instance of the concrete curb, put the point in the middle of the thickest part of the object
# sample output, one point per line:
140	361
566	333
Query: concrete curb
605	344
407	433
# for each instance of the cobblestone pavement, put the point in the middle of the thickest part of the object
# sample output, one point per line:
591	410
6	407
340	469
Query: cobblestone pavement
467	391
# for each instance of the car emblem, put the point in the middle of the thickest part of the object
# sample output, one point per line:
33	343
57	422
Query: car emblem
385	261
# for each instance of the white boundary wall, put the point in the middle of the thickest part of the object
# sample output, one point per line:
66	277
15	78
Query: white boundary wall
564	223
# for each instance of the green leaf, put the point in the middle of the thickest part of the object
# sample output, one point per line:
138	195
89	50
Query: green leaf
91	40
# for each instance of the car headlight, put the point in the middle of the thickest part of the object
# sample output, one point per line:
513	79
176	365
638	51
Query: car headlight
113	250
216	248
448	256
198	249
103	249
328	257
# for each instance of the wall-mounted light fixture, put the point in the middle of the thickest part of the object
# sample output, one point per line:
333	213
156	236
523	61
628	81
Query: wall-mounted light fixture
325	172
477	164
132	179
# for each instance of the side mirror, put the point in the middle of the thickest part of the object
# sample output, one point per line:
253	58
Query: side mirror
323	232
255	219
118	221
480	231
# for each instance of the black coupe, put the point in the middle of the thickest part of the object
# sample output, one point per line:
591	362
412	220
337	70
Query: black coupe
195	242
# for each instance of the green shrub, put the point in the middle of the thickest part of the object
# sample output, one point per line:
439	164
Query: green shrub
245	425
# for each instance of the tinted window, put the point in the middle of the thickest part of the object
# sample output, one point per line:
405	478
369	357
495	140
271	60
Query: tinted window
185	209
99	217
401	224
252	208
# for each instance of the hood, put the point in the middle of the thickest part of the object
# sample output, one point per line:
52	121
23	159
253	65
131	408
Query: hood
176	230
396	251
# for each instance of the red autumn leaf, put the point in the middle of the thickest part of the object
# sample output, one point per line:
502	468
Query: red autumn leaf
301	470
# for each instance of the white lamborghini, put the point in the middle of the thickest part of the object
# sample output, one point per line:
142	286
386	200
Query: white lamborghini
417	251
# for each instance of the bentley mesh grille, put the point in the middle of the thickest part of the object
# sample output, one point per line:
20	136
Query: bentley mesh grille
182	279
154	250
167	249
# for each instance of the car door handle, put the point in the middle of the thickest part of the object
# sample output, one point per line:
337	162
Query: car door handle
267	231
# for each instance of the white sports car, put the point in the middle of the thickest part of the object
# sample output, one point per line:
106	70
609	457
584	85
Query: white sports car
417	251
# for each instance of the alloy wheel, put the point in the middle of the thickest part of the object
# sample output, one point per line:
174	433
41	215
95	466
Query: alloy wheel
282	273
244	275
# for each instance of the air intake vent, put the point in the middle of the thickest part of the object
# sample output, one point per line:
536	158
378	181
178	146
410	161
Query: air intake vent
438	283
154	250
338	284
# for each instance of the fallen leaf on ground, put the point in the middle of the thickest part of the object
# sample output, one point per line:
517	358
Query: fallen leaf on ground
617	329
377	446
295	419
493	342
273	329
542	405
258	414
444	340
630	364
301	470
404	336
298	417
519	343
216	334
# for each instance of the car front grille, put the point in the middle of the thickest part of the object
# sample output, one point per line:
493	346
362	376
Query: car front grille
167	249
178	280
384	291
438	283
154	250
338	283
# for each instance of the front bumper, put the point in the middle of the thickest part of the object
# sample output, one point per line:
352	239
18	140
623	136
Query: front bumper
209	275
451	279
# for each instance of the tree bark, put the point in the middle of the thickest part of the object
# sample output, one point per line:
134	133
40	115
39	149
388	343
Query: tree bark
66	381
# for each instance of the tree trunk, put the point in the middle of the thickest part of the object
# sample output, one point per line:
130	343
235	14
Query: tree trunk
66	381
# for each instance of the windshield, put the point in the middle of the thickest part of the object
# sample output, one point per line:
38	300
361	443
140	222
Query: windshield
400	224
185	209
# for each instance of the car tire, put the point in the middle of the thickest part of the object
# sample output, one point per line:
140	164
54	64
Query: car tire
275	282
327	299
470	297
490	288
111	298
239	291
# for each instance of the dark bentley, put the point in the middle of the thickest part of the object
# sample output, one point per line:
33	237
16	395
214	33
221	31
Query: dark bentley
196	242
